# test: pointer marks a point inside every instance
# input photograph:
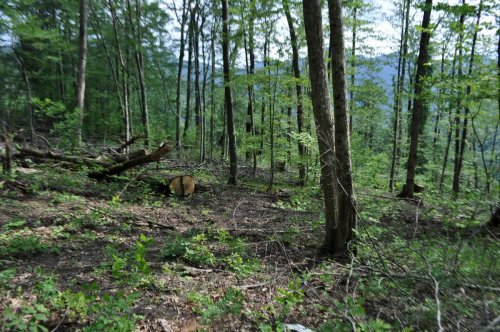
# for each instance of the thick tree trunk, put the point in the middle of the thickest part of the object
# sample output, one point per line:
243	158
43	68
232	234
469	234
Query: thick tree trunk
322	115
346	218
82	64
228	95
298	88
418	104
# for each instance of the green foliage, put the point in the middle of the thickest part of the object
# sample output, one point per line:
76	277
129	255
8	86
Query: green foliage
29	318
212	248
64	122
131	266
290	297
19	245
13	224
114	313
230	304
6	277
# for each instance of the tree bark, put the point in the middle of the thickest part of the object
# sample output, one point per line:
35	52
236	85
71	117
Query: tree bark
298	88
250	68
398	102
322	116
228	95
82	64
463	140
346	218
179	78
418	104
187	119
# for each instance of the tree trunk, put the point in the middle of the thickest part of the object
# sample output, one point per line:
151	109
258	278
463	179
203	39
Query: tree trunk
418	104
82	64
322	116
212	89
398	94
187	119
202	139
125	104
250	69
228	96
353	61
179	78
463	140
346	218
450	126
298	88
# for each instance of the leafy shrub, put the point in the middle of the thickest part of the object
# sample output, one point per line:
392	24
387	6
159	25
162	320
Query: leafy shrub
20	246
210	311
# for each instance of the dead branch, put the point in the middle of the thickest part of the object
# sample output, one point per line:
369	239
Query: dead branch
128	143
119	168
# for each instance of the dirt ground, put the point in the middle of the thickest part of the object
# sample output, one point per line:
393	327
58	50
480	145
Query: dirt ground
282	233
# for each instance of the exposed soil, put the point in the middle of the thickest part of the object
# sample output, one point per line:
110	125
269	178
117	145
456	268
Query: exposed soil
283	239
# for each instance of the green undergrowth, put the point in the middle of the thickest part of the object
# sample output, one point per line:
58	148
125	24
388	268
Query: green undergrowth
211	248
414	260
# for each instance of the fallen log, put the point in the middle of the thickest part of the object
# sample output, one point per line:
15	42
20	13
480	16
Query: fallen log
119	168
24	151
119	158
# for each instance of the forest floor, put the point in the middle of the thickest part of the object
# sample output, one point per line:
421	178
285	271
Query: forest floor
76	254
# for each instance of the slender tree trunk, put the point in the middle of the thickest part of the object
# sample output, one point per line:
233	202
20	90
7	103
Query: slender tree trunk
139	62
250	69
179	78
263	108
203	94
397	97
298	88
187	119
212	88
82	64
346	218
122	63
29	94
450	126
197	92
440	95
322	116
272	112
228	95
353	61
463	140
419	103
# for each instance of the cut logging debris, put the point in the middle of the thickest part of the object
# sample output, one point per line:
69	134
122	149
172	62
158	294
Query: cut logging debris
24	152
182	185
123	166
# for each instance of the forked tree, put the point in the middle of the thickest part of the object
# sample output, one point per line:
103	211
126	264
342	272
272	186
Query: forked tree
339	226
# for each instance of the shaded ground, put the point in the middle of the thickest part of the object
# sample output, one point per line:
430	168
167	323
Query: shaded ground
232	259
